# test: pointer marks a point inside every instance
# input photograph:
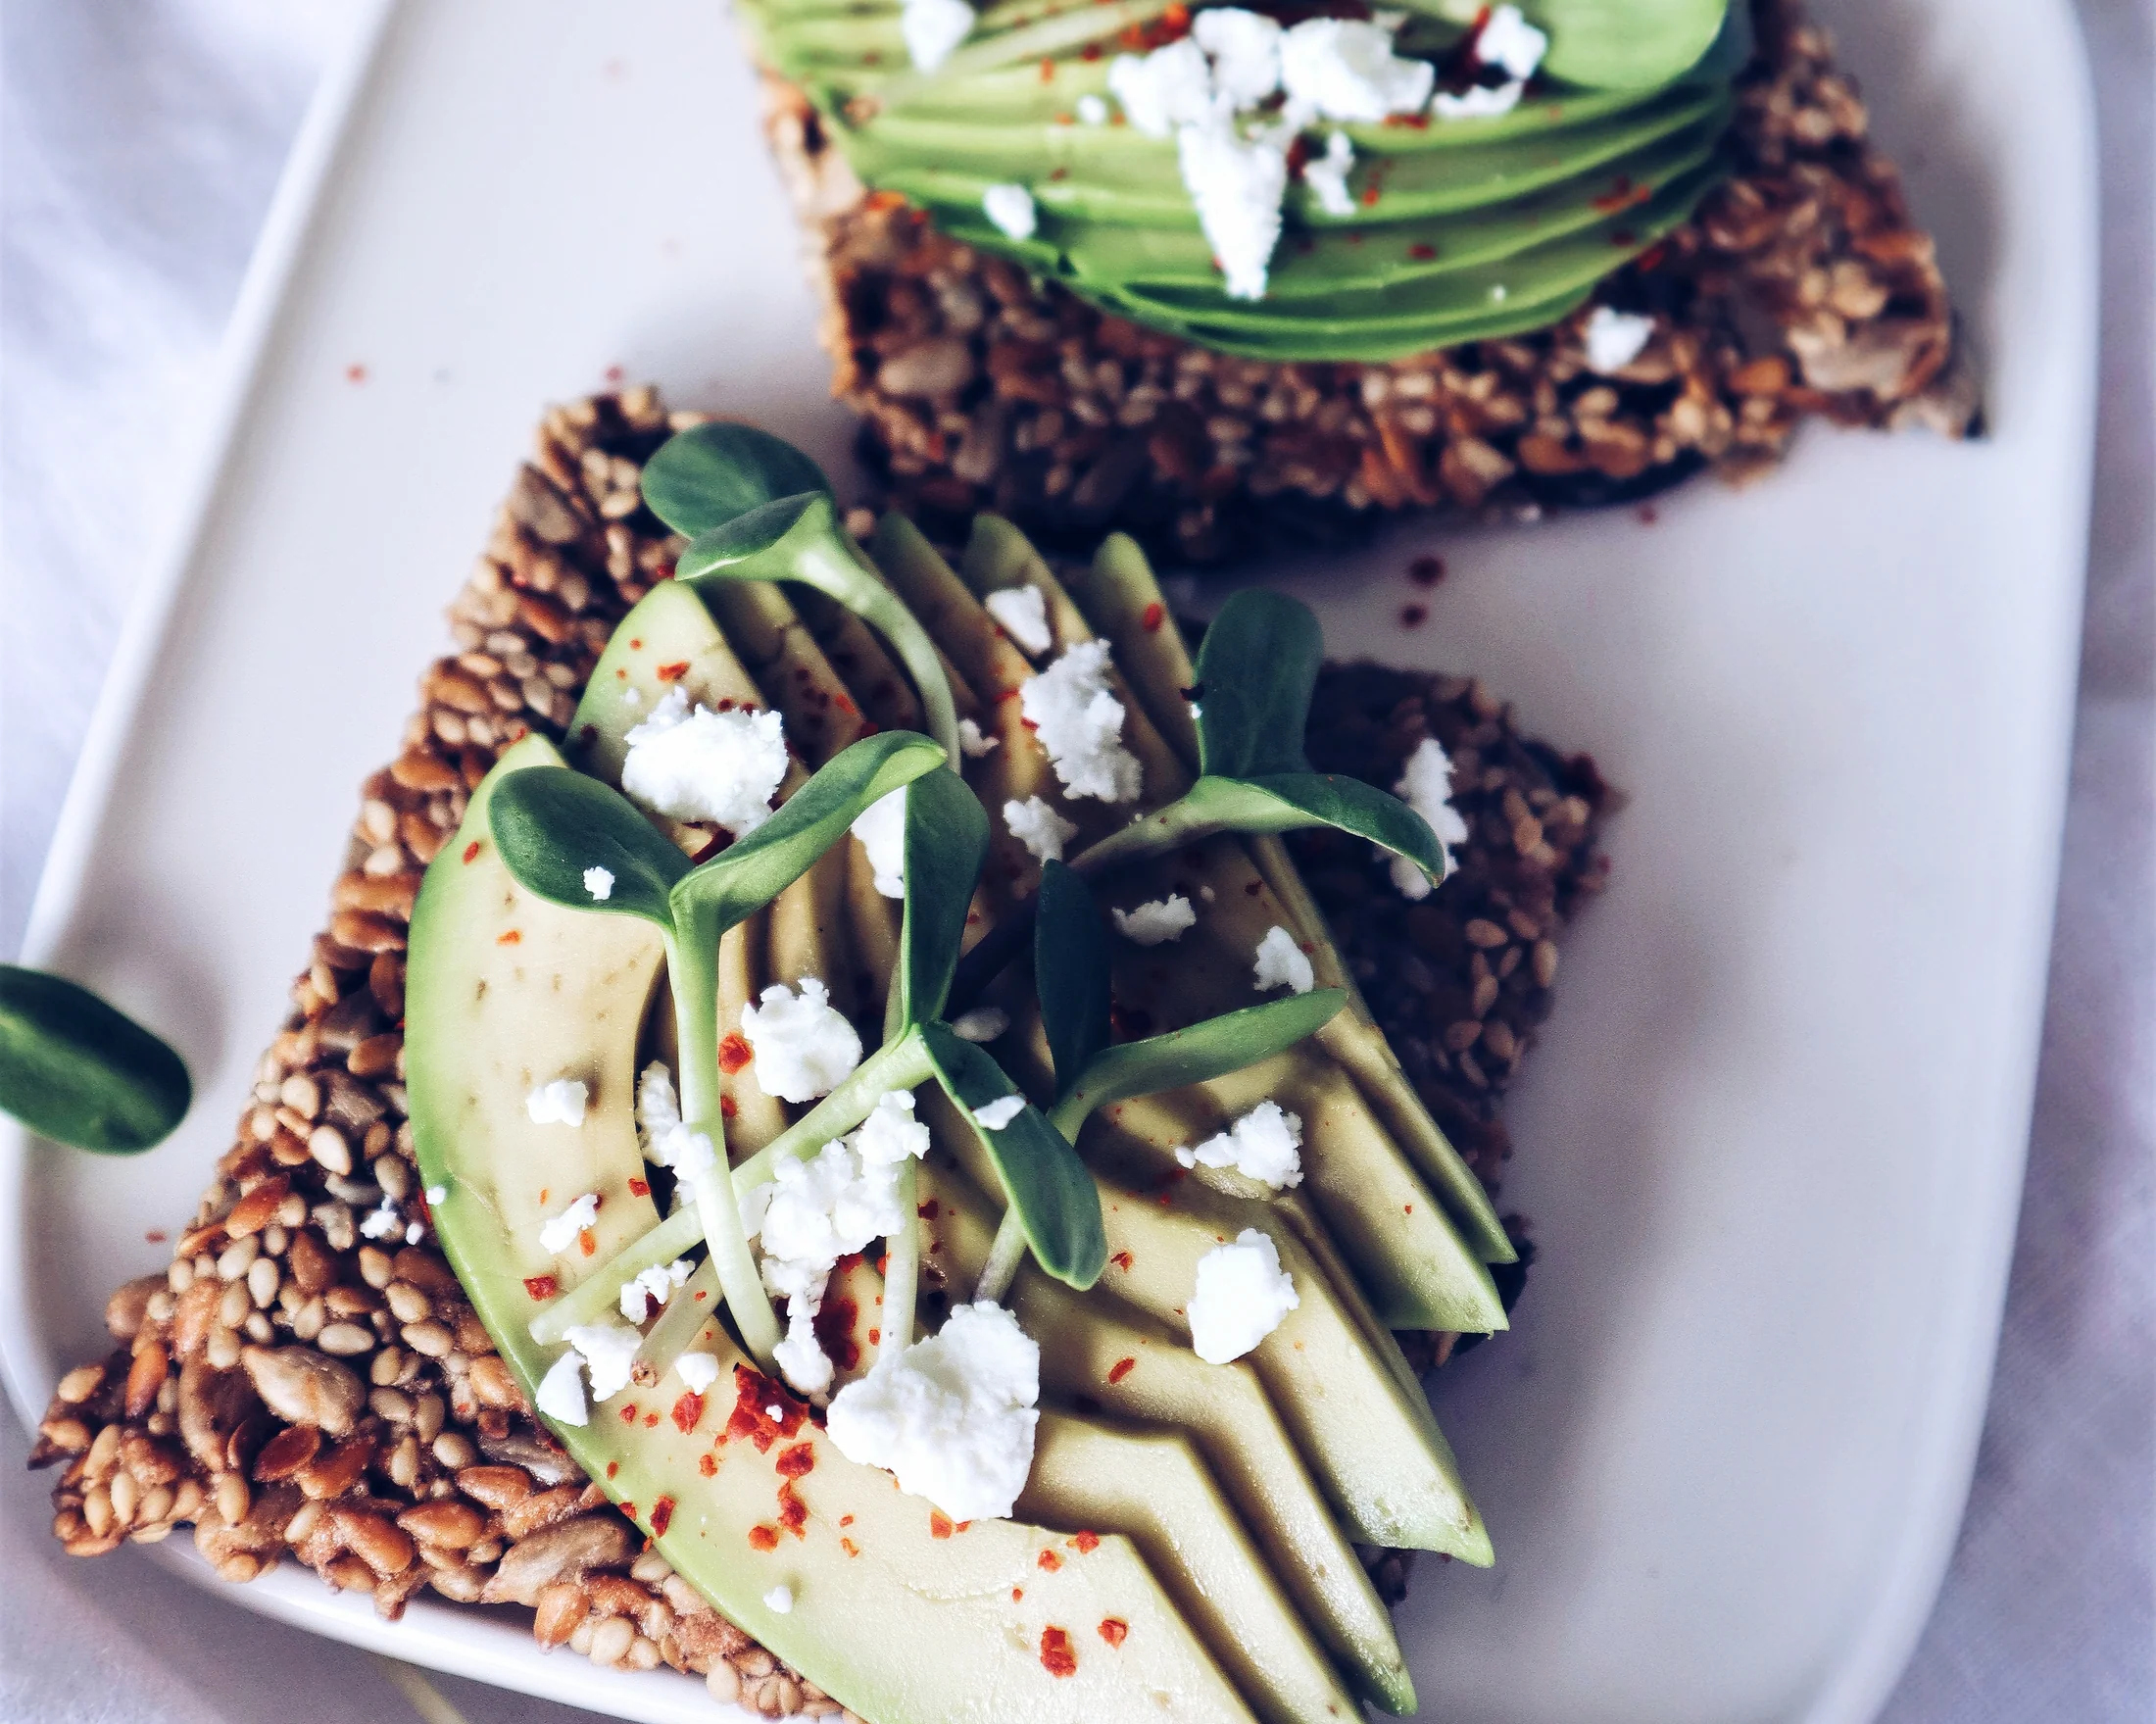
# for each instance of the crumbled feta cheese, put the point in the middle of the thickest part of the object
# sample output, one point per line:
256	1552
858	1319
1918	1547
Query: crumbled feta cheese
1327	175
1011	207
1264	1145
1507	41
381	1223
1207	894
1241	1297
559	1103
1166	918
1282	963
1237	184
1615	338
814	1211
651	1287
779	1598
803	1046
881	830
984	1024
1245	50
1344	68
891	1134
800	1356
933	28
659	1115
560	1395
413	1233
1000	1113
1021	613
952	1416
1092	110
1477	101
1080	723
1426	787
633	697
1039	827
972	744
555	1236
608	1349
704	765
598	882
697	1371
1169	87
435	1194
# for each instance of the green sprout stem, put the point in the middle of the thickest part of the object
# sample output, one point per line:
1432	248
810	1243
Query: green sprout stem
902	1275
597	1293
1009	1251
903	1064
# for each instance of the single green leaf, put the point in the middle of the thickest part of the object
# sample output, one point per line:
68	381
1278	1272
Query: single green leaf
1286	801
1196	1055
946	844
552	826
82	1072
1256	672
750	871
704	477
1055	1198
1070	973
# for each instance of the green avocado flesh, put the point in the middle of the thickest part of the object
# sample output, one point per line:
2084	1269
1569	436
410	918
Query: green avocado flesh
1464	229
1220	1504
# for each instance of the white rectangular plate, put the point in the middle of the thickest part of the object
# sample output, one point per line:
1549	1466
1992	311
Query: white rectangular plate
1772	1143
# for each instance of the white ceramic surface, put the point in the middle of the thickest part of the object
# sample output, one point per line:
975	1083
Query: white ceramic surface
1772	1142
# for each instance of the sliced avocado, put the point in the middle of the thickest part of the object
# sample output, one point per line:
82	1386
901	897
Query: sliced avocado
900	1623
1634	46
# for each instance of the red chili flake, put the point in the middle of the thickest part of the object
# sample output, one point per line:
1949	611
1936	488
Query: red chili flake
1649	514
1370	195
673	672
800	1458
639	1188
848	1547
734	1051
1122	1260
1017	1592
636	646
512	938
1426	571
762	1538
846	705
1422	254
615	373
1056	1656
1086	1543
1413	616
939	1524
629	1509
662	1513
628	1413
1049	1560
708	1465
612	1467
929	1210
1047	71
355	373
155	1236
1121	1368
1407	1209
793	1513
875	1338
471	851
1156	614
1114	1630
542	1286
651	1421
729	1107
756	1394
834	1331
585	1242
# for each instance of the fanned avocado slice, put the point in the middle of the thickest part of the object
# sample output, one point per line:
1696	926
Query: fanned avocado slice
900	1623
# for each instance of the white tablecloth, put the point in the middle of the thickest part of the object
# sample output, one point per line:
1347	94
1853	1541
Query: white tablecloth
141	142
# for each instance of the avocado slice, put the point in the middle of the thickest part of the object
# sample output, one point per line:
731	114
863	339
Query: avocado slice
895	1621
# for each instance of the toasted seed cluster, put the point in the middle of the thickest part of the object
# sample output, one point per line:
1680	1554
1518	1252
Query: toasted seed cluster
305	1380
1802	287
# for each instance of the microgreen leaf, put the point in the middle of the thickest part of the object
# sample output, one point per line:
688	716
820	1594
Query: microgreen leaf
551	824
1255	673
1070	970
709	475
1196	1055
945	843
1287	802
82	1072
1054	1197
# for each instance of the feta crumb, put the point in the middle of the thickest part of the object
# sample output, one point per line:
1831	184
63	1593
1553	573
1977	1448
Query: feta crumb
1237	184
814	1211
1327	175
380	1223
1344	68
704	765
1092	110
1039	827
659	1115
1478	101
1080	723
436	1194
1011	207
779	1598
631	697
598	882
800	1356
1426	787
1264	1145
559	1103
1241	1297
1281	963
1507	41
608	1349
1159	92
1245	50
952	1416
984	1024
891	1134
803	1046
933	28
558	1234
1165	918
560	1395
972	744
1021	613
1000	1113
881	830
651	1287
413	1233
1207	894
1615	338
697	1371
